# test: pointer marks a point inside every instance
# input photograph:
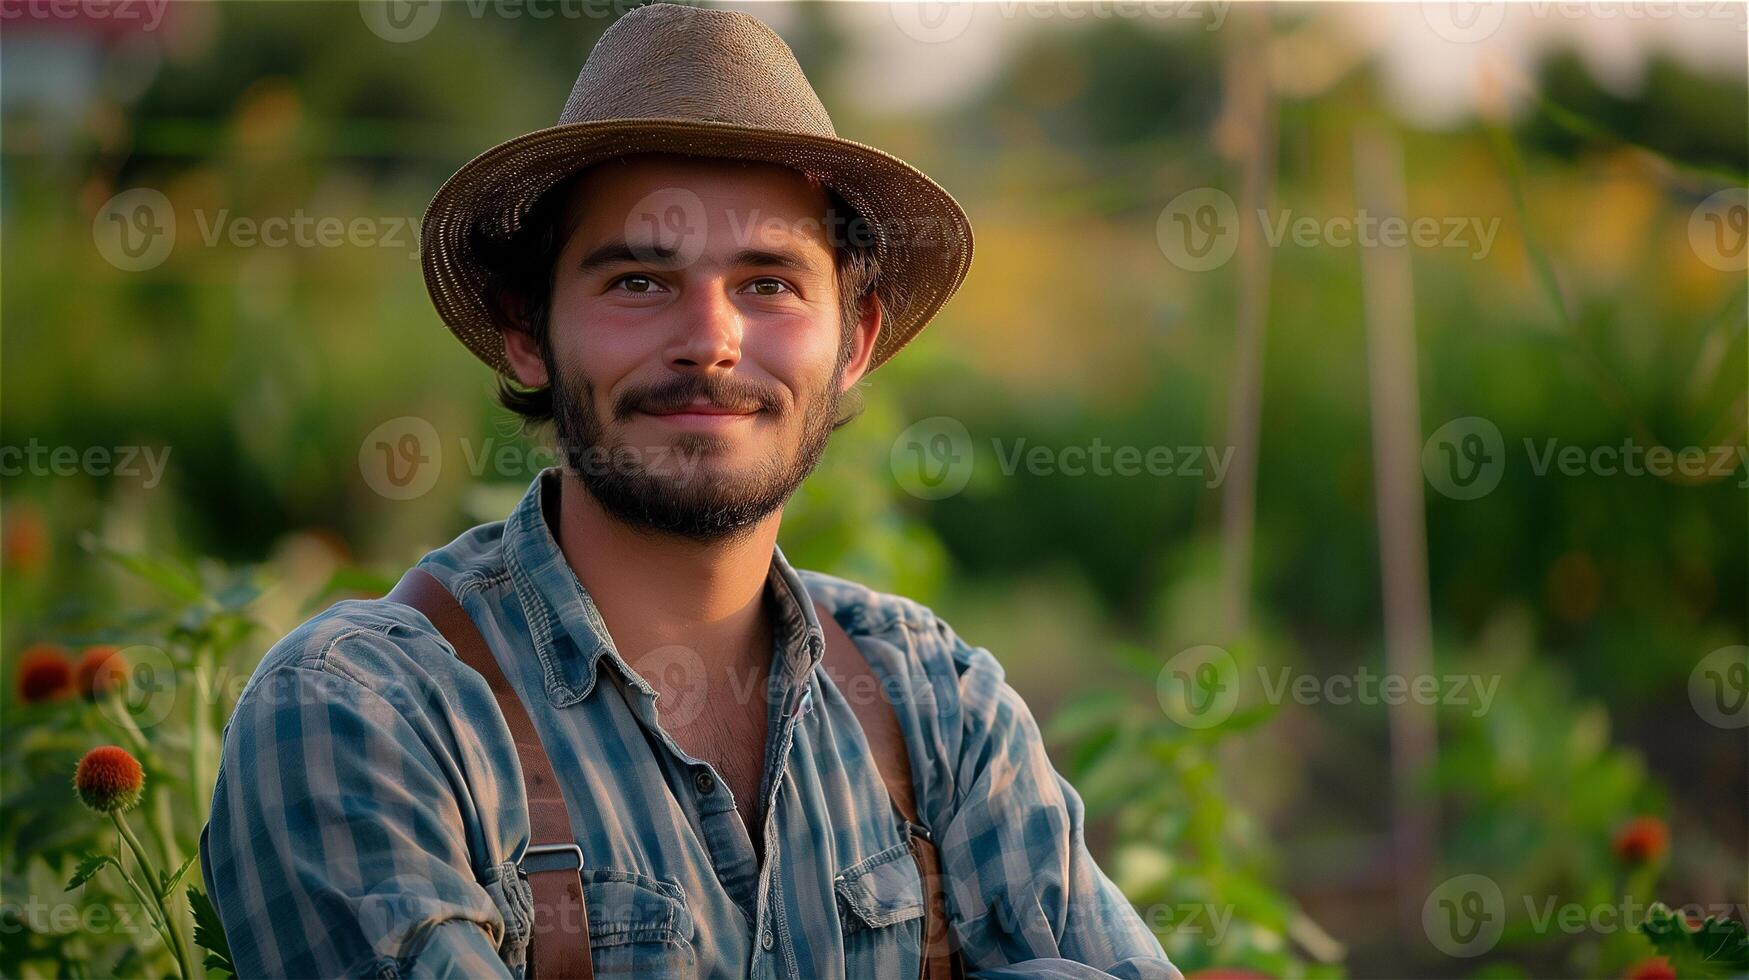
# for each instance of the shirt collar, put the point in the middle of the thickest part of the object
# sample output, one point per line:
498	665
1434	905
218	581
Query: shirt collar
570	637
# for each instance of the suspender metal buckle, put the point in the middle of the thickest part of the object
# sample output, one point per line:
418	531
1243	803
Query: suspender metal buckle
551	857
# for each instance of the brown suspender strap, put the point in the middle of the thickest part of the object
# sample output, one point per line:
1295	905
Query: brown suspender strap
849	670
553	863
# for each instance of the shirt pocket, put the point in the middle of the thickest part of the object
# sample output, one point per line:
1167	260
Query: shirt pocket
881	906
638	926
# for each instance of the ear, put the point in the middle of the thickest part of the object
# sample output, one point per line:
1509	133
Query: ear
520	348
868	329
524	357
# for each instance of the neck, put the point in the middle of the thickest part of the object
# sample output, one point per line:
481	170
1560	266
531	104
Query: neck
656	590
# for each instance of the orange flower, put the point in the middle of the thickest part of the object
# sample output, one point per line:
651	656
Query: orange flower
44	674
1656	968
101	670
1642	840
109	779
24	539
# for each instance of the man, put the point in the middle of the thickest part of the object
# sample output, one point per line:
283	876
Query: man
639	745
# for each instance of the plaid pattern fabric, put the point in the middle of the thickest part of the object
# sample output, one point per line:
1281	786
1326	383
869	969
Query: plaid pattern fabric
369	816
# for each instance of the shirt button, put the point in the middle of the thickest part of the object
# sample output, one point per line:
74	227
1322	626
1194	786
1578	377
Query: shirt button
706	783
765	940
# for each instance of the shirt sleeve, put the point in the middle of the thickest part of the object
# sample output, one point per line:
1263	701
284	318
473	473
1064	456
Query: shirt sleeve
335	845
1028	899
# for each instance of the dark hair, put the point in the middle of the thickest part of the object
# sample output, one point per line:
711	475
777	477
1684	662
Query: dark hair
521	269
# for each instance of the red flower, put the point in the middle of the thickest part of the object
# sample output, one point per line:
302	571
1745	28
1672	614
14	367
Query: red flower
109	778
100	671
1642	840
1656	968
44	674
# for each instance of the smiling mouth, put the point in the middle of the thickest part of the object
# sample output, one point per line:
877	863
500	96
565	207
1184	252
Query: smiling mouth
703	415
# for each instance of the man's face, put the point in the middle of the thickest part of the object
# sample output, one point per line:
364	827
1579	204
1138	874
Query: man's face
695	339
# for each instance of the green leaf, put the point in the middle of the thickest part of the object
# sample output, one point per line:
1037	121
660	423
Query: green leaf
88	868
209	933
1718	948
237	595
177	581
352	579
167	883
1089	715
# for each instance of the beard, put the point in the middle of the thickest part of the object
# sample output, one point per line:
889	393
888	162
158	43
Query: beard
673	489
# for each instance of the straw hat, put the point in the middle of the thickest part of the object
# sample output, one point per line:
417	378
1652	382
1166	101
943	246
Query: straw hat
678	79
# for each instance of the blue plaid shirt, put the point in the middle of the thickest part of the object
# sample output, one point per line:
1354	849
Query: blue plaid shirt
369	815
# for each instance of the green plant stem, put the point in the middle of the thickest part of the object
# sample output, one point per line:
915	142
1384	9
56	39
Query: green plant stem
124	720
151	907
114	709
164	825
197	732
172	927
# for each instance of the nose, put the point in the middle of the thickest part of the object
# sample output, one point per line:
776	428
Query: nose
708	331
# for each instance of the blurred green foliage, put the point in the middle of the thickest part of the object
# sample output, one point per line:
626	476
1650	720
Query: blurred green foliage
1590	321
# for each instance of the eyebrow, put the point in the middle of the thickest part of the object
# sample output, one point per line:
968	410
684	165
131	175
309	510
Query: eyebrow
619	252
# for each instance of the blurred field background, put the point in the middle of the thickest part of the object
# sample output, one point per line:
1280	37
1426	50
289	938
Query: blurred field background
1596	141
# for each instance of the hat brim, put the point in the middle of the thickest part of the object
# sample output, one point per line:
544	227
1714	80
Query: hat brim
922	236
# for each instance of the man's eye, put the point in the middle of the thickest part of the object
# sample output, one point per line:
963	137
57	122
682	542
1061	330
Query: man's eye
769	287
636	283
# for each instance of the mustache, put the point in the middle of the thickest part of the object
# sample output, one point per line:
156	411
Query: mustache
726	393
